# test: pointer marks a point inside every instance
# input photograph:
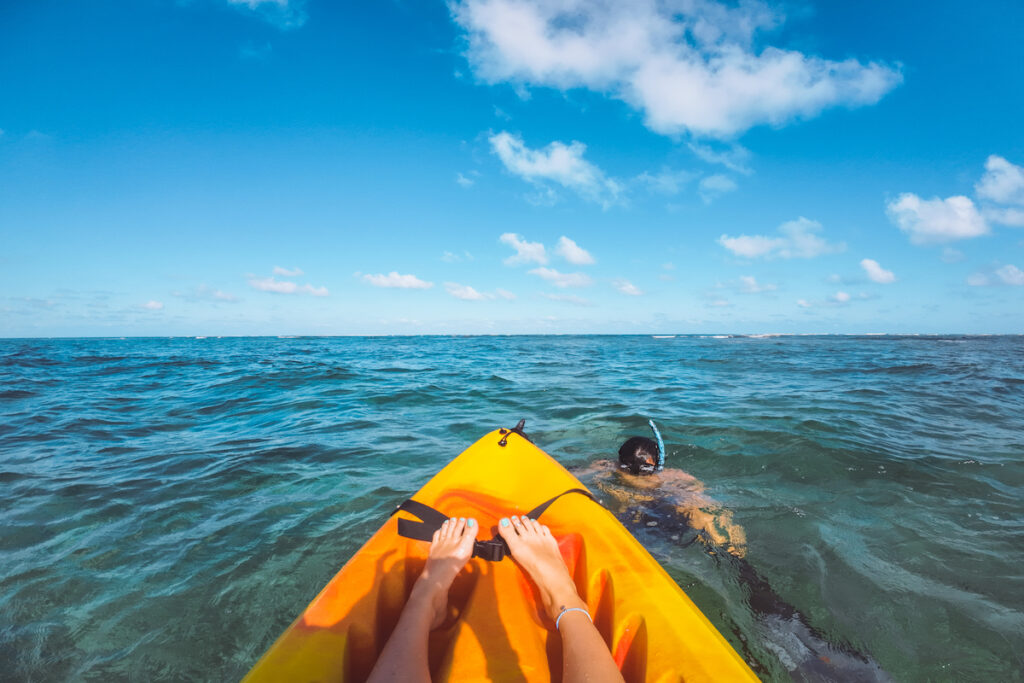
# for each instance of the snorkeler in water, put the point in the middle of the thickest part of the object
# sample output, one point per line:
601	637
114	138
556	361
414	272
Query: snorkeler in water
640	478
672	502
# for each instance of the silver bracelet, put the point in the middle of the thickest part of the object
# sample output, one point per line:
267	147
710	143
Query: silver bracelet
572	609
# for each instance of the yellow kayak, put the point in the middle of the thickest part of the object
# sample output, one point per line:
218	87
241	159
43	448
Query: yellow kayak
496	629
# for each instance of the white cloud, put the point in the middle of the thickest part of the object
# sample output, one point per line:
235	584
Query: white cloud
558	163
803	303
1005	275
285	272
840	297
465	292
559	279
1011	275
750	285
719	303
153	305
526	252
798	240
714	186
688	66
929	221
666	181
270	284
876	272
463	180
626	287
1003	182
394	279
567	298
572	252
734	157
1012	217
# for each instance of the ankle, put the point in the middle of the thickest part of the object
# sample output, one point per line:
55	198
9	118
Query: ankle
563	596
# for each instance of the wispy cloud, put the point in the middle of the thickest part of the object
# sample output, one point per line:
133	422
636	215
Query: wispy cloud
567	298
572	252
467	293
396	280
626	287
285	14
930	221
526	252
271	284
206	293
697	67
287	272
750	285
733	156
798	239
951	255
463	180
714	186
452	257
876	272
557	163
559	279
153	305
666	181
1004	275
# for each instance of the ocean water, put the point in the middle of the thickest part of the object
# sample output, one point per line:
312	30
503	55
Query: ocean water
170	505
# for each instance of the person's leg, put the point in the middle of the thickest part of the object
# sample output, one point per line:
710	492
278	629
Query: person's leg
585	657
404	657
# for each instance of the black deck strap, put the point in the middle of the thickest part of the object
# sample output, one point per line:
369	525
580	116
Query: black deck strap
421	531
539	510
493	550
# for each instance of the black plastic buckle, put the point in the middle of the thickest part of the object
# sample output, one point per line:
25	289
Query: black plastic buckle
492	550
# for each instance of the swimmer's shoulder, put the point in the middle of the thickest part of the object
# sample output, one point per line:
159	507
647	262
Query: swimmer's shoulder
677	478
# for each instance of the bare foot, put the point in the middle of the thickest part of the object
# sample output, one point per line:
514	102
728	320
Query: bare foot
450	549
536	551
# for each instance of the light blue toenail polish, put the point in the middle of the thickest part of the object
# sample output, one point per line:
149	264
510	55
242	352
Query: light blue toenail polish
504	521
471	522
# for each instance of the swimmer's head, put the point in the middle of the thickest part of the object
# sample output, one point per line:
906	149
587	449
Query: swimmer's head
639	455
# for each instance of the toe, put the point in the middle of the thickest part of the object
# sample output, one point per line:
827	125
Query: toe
517	522
459	527
508	532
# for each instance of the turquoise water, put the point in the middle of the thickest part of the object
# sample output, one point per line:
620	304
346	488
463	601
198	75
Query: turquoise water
171	505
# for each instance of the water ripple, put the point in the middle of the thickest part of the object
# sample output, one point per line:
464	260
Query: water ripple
173	504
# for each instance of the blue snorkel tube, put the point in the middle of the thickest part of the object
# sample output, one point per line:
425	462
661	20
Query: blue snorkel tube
661	445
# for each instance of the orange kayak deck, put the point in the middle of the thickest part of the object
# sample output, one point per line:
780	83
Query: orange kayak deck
496	629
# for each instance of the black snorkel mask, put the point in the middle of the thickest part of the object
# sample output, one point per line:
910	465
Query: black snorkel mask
631	460
637	468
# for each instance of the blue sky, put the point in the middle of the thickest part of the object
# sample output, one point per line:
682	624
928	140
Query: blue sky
205	167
